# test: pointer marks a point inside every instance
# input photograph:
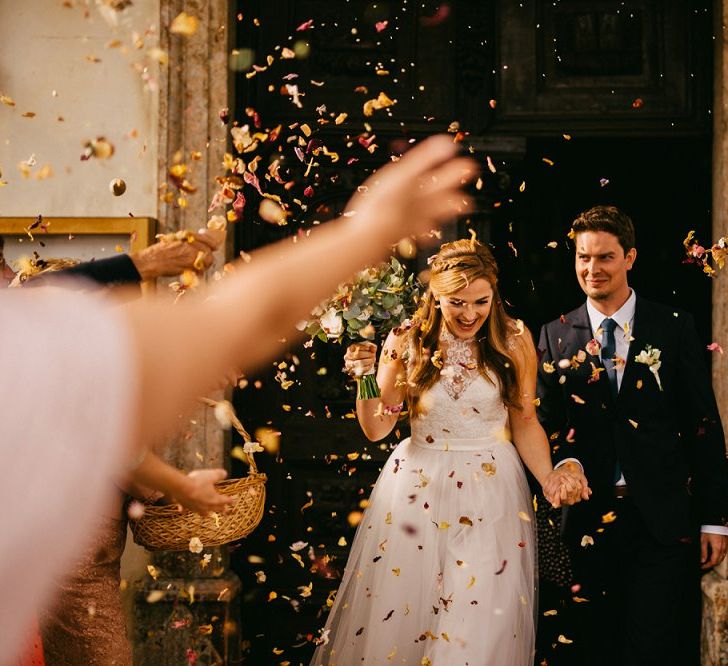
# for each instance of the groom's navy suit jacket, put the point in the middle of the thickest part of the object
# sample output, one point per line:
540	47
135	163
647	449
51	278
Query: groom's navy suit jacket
669	444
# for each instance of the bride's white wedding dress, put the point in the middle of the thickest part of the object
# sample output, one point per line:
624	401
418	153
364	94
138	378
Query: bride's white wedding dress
441	571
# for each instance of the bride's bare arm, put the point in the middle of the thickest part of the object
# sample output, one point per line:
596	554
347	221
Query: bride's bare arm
529	437
378	416
183	350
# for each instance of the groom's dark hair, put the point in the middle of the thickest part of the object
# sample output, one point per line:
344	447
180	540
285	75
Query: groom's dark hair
609	219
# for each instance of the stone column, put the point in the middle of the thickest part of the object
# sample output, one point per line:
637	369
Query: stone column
715	583
191	610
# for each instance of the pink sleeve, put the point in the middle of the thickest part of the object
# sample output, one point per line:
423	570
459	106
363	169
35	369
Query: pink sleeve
66	390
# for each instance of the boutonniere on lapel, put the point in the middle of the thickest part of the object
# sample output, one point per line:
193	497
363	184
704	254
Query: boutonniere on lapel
650	356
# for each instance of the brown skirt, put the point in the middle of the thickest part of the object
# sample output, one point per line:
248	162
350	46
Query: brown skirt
86	623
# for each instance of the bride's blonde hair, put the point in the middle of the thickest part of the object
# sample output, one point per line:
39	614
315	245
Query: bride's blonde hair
454	267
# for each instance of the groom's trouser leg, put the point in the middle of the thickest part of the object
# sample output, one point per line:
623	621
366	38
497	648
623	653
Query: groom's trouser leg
643	596
662	602
592	618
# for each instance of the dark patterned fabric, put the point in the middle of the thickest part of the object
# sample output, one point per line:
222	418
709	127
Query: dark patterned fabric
554	564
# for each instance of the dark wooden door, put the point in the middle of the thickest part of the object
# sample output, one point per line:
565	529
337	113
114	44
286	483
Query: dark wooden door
628	83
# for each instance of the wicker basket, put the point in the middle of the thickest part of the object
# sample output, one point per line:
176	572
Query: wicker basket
165	528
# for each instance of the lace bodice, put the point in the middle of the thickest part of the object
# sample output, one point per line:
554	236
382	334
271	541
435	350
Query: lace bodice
478	412
462	404
459	365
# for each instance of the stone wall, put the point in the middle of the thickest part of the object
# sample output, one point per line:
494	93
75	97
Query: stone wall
715	583
61	64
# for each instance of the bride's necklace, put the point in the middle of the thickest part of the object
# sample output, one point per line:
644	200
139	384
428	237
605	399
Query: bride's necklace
459	367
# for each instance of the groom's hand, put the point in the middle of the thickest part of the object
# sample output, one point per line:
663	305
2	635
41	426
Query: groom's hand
712	549
566	485
577	472
558	487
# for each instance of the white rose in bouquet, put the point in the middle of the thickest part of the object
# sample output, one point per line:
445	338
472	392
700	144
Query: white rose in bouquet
332	324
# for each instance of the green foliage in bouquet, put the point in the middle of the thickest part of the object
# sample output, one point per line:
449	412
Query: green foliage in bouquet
379	299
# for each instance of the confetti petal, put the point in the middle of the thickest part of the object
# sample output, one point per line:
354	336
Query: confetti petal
184	24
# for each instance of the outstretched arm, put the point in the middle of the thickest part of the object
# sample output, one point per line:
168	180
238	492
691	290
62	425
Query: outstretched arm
166	258
170	257
183	350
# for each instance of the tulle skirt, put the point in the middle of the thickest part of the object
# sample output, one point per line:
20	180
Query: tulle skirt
441	571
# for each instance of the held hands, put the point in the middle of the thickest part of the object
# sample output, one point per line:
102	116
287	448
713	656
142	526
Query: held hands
360	358
198	493
566	485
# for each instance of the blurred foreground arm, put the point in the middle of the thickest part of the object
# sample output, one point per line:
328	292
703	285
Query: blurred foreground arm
84	383
184	349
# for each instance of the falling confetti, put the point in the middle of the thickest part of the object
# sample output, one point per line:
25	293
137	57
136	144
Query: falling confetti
382	101
488	468
100	148
184	24
117	187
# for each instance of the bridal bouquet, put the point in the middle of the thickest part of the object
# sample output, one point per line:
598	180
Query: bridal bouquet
378	300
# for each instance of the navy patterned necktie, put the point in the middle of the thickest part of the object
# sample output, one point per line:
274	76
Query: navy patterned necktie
609	351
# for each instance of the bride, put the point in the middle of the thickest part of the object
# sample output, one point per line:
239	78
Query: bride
441	571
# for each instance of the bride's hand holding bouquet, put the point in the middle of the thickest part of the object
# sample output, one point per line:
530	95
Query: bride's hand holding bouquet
360	359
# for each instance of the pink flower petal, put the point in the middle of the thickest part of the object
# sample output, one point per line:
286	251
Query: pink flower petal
252	179
239	205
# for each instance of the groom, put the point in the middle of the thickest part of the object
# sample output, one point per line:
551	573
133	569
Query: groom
625	395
